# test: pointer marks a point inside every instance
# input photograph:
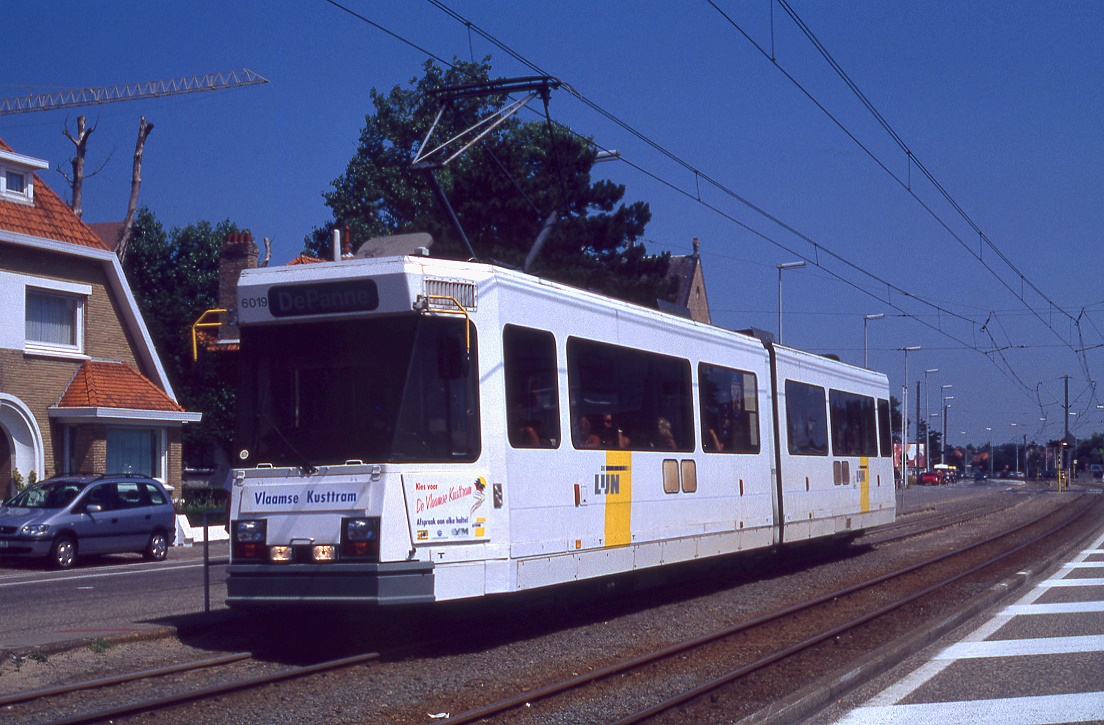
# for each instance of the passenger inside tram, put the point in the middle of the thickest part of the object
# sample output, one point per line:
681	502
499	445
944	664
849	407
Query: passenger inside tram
608	435
666	440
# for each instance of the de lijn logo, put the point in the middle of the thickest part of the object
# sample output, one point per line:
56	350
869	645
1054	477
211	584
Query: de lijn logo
609	481
293	300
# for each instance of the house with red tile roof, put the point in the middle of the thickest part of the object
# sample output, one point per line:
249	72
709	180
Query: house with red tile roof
81	386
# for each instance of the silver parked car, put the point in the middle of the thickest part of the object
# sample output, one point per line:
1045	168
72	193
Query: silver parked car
88	514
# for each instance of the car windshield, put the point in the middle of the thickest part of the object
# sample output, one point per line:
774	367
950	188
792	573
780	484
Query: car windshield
49	495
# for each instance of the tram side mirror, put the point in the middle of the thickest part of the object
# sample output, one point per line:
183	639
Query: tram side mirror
452	358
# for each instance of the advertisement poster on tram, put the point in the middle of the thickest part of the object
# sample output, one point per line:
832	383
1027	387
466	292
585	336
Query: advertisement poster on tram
444	507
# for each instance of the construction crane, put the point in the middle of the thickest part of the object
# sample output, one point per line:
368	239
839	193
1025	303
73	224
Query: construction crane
129	92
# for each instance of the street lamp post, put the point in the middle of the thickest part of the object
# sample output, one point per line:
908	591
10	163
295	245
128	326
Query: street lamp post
904	418
927	419
931	416
866	319
781	267
1016	448
967	462
990	451
946	407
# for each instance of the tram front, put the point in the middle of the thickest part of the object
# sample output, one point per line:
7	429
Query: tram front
358	434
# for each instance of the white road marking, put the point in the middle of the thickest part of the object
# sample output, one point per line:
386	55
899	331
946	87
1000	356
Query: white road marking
1072	583
882	707
99	574
1042	710
1023	647
1058	608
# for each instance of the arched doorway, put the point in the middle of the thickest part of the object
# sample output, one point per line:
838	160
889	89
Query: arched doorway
22	449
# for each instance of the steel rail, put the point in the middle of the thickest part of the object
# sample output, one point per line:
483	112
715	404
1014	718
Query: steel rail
635	662
214	690
736	674
120	679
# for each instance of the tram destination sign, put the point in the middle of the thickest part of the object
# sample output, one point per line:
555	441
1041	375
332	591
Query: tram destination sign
323	298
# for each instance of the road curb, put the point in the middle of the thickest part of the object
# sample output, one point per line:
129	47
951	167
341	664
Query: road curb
190	624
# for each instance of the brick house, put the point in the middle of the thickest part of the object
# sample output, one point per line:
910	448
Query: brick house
689	278
81	386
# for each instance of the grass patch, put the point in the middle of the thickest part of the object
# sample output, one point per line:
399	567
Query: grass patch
100	646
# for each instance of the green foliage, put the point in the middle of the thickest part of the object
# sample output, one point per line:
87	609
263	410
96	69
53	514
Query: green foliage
101	645
502	191
174	277
199	500
20	483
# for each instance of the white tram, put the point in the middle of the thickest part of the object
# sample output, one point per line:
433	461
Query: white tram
416	430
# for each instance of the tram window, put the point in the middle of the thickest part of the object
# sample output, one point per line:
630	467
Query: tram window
729	410
885	448
627	398
401	388
806	419
532	397
854	430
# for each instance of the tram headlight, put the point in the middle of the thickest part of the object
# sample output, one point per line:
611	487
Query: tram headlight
360	538
361	529
249	539
250	532
280	554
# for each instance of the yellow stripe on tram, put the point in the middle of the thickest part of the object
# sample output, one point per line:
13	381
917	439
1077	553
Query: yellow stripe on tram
864	484
618	498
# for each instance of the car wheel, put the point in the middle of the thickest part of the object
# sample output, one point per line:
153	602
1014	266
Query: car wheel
157	548
63	554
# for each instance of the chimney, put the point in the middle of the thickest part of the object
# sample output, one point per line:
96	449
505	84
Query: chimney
238	252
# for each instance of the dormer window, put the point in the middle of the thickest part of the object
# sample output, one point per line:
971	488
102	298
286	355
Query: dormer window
17	176
16	183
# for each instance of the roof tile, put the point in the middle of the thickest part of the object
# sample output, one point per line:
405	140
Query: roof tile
49	218
304	259
104	384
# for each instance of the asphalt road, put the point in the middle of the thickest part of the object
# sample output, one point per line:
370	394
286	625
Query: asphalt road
109	596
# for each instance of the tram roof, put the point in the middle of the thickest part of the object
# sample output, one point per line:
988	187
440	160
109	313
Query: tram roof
475	272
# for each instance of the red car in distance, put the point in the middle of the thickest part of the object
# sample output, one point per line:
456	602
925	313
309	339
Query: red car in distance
930	478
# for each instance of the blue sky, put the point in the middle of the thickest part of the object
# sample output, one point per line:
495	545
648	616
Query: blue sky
1000	101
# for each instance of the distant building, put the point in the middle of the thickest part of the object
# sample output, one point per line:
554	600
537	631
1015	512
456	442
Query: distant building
690	280
81	386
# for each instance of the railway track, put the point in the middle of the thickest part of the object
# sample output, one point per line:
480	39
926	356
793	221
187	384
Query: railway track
703	648
737	648
44	701
925	524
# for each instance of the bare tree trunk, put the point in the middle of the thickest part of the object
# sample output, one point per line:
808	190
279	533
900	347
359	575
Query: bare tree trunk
144	129
77	181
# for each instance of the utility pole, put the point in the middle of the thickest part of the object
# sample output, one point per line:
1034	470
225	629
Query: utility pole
904	417
1066	440
918	424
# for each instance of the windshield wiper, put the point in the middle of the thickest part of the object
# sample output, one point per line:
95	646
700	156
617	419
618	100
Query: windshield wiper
305	466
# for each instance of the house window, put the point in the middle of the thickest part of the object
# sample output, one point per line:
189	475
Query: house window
16	182
135	450
17	176
54	322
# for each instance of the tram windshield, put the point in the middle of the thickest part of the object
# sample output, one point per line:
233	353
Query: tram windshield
376	390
